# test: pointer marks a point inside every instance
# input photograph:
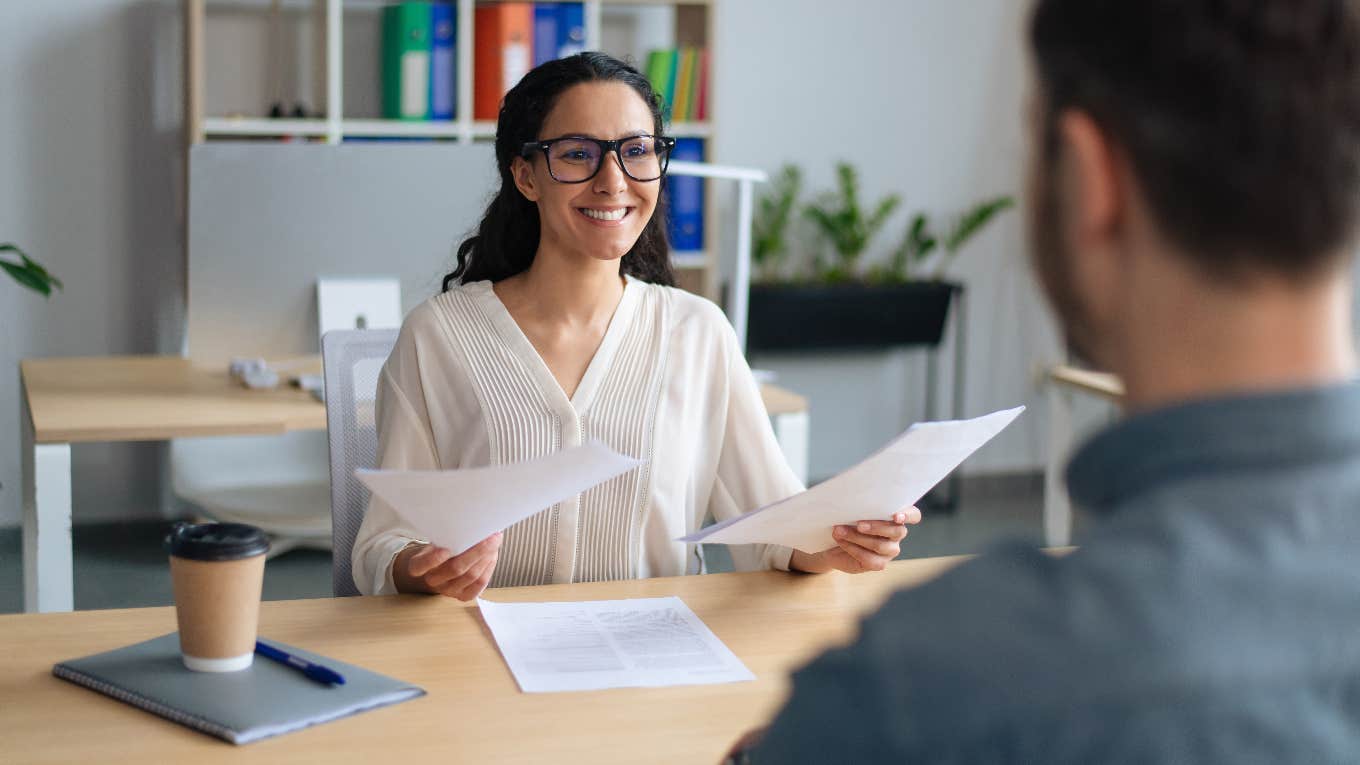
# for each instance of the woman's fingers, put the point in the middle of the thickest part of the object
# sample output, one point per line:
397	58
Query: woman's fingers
885	529
474	582
867	559
879	544
459	565
427	559
870	545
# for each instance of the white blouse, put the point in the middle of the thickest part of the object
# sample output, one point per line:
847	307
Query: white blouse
465	388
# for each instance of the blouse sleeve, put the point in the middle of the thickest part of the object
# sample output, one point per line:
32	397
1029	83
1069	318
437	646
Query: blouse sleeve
405	442
752	471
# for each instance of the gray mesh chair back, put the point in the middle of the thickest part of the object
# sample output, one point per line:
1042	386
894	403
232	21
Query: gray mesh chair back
352	359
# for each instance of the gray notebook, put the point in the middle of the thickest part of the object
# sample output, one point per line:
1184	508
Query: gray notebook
265	700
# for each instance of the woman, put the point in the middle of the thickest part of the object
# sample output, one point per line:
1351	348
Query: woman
560	325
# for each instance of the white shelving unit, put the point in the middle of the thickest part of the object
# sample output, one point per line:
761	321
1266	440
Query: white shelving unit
334	127
696	269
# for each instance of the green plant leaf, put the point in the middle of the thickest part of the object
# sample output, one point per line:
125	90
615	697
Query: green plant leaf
968	225
29	272
772	217
973	221
886	206
923	242
842	221
26	277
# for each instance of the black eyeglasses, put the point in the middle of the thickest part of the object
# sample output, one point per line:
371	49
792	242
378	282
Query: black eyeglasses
575	159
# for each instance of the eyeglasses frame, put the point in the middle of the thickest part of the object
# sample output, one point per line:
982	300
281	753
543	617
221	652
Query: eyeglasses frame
614	147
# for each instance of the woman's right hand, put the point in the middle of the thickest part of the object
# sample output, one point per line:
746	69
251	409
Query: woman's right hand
429	568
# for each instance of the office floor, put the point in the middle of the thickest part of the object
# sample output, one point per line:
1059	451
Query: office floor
122	565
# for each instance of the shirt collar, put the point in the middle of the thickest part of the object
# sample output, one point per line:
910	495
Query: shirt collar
1193	439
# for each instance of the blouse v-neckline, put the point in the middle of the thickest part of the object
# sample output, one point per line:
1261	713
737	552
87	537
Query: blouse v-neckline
596	371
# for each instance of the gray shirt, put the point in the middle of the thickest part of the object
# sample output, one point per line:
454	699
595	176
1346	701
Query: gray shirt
1213	616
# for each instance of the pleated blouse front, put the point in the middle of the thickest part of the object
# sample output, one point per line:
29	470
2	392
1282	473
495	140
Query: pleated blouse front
465	388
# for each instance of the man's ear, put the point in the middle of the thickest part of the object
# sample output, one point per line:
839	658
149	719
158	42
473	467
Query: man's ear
523	173
1095	199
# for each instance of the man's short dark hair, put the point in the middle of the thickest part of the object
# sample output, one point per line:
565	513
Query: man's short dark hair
1240	118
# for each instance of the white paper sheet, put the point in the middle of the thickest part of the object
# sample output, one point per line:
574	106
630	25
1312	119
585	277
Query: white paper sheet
589	645
895	477
459	508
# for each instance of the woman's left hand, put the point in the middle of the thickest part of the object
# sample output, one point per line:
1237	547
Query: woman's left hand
865	546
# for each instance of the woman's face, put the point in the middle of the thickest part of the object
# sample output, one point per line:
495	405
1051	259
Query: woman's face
603	217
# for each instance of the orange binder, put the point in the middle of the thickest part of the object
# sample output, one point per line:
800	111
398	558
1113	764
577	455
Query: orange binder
502	54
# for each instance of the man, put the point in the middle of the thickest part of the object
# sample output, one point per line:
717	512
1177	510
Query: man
1195	188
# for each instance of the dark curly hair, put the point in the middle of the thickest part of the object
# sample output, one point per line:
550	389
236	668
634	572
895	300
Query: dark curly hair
507	237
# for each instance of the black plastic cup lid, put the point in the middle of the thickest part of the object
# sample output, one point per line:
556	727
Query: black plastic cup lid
216	541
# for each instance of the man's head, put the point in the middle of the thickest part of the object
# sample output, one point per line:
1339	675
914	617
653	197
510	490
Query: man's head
1223	132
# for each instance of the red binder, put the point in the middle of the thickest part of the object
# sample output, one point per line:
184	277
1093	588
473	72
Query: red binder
701	105
502	54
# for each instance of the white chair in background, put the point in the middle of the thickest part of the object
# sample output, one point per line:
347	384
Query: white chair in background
281	483
352	359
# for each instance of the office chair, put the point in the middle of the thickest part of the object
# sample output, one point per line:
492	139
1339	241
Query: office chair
352	360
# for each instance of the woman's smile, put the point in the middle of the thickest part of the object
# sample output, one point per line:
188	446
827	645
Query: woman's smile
605	216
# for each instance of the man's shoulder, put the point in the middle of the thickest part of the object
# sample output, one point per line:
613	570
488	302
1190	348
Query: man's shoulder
1018	624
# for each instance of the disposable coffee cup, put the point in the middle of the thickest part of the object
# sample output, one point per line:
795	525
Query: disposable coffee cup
217	571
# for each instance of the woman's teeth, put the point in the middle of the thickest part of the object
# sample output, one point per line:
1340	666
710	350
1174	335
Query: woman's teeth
605	214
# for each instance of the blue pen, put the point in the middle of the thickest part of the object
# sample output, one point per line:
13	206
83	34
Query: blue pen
314	671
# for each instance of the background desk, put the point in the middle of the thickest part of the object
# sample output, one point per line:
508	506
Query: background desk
1063	381
154	398
474	711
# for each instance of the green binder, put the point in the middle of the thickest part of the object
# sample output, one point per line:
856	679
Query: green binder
406	61
661	66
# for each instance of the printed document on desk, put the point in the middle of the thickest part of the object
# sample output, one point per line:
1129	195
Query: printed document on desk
457	509
895	477
590	645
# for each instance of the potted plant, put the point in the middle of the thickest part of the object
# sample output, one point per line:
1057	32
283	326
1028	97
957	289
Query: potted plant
769	243
841	304
26	271
920	244
845	227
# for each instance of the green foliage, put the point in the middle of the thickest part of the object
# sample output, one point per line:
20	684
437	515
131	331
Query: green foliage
840	219
974	220
27	272
919	243
769	246
916	246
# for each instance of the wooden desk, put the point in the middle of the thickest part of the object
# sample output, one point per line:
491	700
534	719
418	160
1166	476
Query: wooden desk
153	398
1064	380
474	711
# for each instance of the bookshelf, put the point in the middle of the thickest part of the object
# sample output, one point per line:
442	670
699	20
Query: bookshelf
328	53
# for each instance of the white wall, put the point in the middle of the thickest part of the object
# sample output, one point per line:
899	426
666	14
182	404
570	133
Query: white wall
925	99
90	162
923	96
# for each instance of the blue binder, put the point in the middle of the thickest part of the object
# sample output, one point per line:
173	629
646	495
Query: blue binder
545	32
571	29
686	194
443	62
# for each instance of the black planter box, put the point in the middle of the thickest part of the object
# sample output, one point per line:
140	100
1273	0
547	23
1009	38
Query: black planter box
807	317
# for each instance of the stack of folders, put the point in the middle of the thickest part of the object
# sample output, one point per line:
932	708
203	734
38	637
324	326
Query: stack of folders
265	700
512	38
680	77
419	53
